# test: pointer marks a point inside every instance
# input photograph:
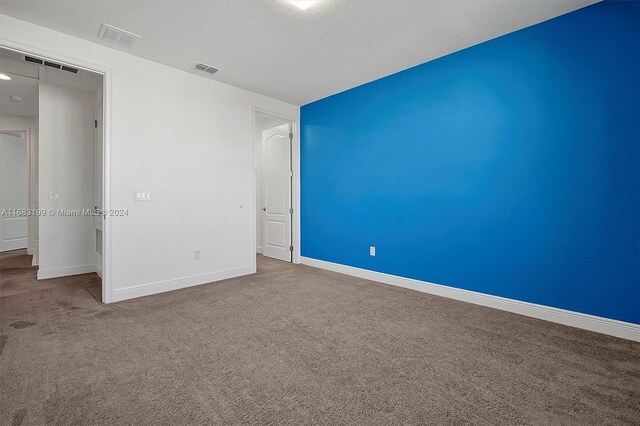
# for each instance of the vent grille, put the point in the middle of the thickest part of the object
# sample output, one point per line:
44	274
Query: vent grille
199	66
117	35
51	64
34	60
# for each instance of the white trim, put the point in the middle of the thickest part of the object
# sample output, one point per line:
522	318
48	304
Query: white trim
106	269
258	249
176	284
11	245
297	255
625	330
34	260
44	274
254	212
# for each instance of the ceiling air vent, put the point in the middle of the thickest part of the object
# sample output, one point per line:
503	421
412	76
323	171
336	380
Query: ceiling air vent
117	35
51	64
205	68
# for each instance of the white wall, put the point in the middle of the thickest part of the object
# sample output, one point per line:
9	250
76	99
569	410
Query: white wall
31	124
184	137
66	154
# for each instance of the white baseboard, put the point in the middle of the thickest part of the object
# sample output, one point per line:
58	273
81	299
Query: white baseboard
44	274
258	250
13	245
176	284
625	330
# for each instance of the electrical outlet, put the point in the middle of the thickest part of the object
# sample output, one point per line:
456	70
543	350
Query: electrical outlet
196	254
372	251
54	196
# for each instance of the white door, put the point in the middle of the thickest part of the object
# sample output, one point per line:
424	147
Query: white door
276	154
14	190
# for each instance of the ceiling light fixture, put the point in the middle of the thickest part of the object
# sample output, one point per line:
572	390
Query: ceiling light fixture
303	4
4	77
16	99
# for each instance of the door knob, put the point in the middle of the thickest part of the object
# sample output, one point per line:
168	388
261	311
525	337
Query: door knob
264	209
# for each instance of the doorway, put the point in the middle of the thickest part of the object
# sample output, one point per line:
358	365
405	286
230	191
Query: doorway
14	189
274	161
62	105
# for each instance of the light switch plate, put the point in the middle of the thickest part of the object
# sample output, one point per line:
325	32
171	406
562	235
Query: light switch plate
142	195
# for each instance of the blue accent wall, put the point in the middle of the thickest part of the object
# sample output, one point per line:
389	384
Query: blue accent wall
510	168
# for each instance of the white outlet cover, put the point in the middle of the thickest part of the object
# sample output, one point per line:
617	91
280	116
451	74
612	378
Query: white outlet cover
372	251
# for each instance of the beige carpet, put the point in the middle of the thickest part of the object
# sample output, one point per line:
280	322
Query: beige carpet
296	345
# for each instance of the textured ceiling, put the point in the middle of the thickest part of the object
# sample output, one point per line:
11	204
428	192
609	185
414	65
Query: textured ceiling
273	48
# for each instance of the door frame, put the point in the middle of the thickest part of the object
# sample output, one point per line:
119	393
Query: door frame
107	289
99	103
295	184
30	175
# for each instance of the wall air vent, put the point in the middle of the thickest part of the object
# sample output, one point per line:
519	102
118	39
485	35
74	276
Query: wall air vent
199	66
51	64
34	60
69	69
117	35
